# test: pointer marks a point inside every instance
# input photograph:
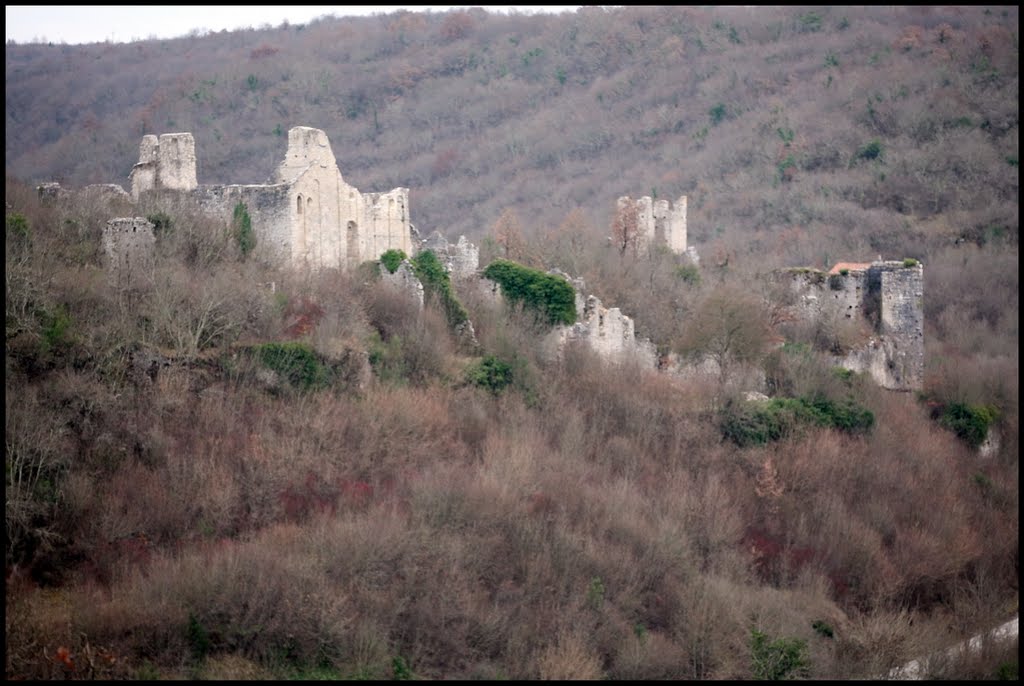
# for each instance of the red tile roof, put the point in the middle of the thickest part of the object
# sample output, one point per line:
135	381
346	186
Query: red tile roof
849	266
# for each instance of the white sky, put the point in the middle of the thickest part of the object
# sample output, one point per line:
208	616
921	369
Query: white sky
73	24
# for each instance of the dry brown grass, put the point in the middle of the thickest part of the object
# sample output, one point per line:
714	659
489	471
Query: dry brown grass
587	522
569	658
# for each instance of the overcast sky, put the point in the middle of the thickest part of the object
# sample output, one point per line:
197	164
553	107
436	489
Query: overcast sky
67	24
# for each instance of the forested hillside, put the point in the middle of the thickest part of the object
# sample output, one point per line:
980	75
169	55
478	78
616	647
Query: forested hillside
796	132
229	468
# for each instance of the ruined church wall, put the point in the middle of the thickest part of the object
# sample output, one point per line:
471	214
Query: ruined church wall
308	217
385	219
461	260
820	295
607	332
675	226
267	207
332	224
404	280
307	148
317	218
337	226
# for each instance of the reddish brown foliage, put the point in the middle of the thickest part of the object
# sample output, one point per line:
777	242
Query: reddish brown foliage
263	51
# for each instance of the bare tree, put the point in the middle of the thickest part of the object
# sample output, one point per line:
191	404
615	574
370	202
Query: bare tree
728	327
626	226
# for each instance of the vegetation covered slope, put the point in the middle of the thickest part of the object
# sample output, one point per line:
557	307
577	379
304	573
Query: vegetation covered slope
825	133
235	471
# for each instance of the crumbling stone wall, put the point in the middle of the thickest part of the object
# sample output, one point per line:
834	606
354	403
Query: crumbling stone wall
165	163
267	207
888	297
404	280
612	335
461	260
332	224
308	215
129	243
659	222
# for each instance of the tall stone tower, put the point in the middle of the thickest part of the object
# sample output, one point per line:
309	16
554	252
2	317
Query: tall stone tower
165	163
659	222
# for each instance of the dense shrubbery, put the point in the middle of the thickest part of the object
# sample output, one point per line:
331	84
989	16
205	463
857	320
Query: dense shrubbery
783	658
550	296
490	373
597	526
391	259
757	422
969	422
295	362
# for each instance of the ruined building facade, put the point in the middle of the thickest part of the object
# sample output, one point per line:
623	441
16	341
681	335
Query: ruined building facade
658	222
307	216
888	296
165	163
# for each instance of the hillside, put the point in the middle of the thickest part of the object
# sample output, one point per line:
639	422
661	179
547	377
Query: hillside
847	131
228	468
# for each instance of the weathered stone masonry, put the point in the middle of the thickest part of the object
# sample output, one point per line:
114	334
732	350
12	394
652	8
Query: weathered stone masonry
889	295
308	216
129	244
659	222
165	163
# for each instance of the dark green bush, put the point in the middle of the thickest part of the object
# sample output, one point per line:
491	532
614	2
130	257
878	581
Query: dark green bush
400	669
870	151
779	659
242	226
56	329
1008	671
689	274
757	423
745	425
910	262
490	373
296	362
823	628
391	259
969	422
162	222
843	374
717	113
388	360
551	296
17	225
198	637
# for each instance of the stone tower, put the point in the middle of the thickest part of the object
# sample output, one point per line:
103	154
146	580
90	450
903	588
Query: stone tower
659	222
165	163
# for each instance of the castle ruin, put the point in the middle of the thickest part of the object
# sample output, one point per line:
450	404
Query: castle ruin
658	222
129	244
307	216
165	163
888	297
